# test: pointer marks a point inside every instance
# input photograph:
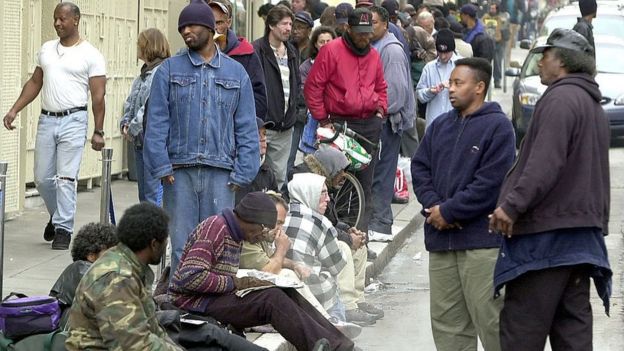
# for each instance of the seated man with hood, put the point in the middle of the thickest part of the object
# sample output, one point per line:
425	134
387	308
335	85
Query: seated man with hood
338	272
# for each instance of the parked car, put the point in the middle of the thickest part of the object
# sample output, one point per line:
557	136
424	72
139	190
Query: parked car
527	87
609	19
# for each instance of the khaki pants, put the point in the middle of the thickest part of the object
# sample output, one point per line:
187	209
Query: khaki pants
304	291
513	37
462	303
352	277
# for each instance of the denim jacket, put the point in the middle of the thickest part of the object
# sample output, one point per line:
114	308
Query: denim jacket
134	106
202	113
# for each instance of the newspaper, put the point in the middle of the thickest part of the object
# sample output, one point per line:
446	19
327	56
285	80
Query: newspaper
278	281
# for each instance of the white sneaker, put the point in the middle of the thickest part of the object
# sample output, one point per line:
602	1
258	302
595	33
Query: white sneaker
377	236
350	330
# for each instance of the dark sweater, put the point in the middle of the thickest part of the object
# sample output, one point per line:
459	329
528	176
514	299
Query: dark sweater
460	166
561	178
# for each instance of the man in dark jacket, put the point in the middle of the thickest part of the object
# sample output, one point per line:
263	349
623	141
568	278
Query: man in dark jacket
553	207
457	173
584	25
280	62
482	44
240	50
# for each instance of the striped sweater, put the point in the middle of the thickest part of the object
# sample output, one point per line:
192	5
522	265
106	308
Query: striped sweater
208	264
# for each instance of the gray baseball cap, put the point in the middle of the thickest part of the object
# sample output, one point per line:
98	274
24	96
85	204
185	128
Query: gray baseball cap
565	39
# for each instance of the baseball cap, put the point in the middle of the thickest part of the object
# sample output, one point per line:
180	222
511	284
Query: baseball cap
363	3
342	12
469	9
392	6
304	17
263	124
445	41
360	20
221	5
565	39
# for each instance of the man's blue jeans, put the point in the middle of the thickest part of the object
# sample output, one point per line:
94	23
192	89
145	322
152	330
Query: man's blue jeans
383	180
149	187
197	193
58	151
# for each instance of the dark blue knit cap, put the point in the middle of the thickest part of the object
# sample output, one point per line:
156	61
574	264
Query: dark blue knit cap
197	12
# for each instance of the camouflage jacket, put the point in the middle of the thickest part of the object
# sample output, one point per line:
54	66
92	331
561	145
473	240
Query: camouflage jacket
113	308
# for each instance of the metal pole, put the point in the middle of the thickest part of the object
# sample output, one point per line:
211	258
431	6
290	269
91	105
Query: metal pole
107	159
504	68
3	172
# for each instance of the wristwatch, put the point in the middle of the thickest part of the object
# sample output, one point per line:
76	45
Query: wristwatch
99	132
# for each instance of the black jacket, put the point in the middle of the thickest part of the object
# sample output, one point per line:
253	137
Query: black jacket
561	177
265	180
273	82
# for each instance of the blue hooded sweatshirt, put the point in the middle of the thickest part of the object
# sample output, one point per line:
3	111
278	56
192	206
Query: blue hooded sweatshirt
460	165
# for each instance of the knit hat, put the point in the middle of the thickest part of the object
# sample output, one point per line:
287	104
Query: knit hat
392	6
469	9
304	17
360	20
342	12
257	208
445	41
332	159
588	7
197	12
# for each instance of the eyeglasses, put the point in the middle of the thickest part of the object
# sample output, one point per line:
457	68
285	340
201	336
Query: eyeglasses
265	230
324	193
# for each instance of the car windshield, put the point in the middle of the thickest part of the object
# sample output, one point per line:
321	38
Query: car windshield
604	61
603	25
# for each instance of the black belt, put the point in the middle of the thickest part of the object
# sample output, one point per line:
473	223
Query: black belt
64	113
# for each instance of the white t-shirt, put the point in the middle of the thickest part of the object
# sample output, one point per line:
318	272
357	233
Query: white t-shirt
66	73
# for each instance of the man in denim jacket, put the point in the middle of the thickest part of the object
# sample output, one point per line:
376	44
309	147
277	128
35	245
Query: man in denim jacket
201	138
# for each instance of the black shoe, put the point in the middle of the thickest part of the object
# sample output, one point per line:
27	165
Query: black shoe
62	238
48	232
497	86
359	317
399	200
373	310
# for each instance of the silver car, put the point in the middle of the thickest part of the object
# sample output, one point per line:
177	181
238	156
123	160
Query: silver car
527	87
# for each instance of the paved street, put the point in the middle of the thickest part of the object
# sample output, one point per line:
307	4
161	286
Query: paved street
405	294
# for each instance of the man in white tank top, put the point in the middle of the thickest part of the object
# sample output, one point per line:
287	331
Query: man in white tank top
68	69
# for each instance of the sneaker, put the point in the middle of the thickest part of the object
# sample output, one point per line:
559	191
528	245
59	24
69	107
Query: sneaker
371	255
350	330
359	317
497	85
62	238
377	236
321	345
48	232
396	199
373	310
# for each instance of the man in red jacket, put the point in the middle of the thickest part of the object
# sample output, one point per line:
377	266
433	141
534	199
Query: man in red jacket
346	83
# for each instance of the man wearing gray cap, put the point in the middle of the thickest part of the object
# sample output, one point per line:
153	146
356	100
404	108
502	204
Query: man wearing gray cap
201	139
553	209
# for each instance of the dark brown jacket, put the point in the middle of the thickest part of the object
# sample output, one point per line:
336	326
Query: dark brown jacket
561	177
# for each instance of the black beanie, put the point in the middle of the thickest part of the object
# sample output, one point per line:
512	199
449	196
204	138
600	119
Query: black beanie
445	41
257	208
588	7
197	12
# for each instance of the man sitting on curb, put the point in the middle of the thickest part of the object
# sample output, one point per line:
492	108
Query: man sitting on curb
205	281
269	255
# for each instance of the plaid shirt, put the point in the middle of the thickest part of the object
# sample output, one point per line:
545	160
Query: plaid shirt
315	244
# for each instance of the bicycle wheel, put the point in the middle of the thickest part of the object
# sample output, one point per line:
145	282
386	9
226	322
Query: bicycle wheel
349	201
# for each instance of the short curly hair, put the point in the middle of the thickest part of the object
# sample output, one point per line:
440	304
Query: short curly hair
92	238
141	224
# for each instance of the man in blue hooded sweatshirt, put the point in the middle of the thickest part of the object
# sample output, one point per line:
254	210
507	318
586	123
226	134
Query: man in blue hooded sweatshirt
457	173
482	44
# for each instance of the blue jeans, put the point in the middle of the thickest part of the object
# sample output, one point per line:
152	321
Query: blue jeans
197	193
383	180
58	151
149	188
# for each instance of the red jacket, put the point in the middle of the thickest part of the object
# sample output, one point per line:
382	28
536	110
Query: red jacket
343	84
